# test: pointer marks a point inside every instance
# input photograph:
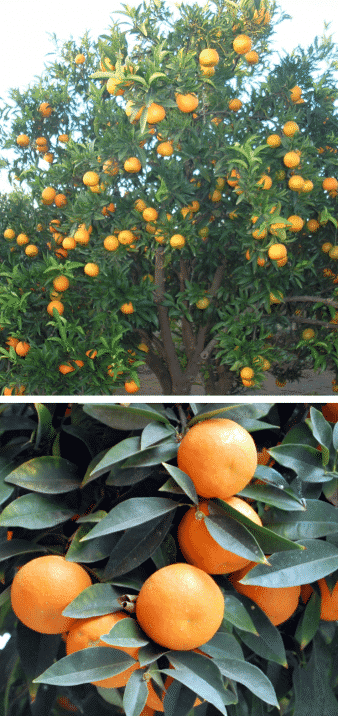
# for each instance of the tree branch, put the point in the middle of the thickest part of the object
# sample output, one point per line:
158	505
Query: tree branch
172	358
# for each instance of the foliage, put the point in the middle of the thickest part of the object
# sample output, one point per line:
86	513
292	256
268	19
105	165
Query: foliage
99	484
254	308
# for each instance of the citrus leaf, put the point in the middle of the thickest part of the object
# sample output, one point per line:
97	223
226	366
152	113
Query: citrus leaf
289	569
321	429
47	474
135	694
154	433
178	700
130	513
318	520
308	624
234	537
222	645
251	676
117	454
85	666
303	459
126	633
133	417
236	614
183	480
200	674
34	512
240	413
93	601
273	495
267	641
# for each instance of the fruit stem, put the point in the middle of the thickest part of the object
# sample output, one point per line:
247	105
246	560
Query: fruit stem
128	602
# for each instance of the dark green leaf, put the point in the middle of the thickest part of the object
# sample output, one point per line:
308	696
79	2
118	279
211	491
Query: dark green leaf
267	642
318	520
236	614
117	454
200	674
132	512
251	676
45	432
312	688
93	601
291	568
47	474
153	455
82	667
18	546
273	495
308	624
183	480
126	633
133	417
178	700
233	537
303	459
154	433
321	429
34	512
244	414
223	645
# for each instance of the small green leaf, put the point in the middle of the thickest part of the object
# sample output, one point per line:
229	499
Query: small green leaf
132	512
85	666
126	633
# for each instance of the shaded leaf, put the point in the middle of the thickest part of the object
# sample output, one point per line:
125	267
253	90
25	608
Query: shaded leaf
93	601
135	694
34	512
318	520
126	633
292	568
183	480
154	433
309	621
47	474
305	460
284	499
132	512
85	666
236	614
234	537
133	417
200	674
251	676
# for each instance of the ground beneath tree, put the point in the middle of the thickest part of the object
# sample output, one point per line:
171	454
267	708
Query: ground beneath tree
311	383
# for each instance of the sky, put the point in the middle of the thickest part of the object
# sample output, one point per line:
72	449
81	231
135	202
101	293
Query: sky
25	30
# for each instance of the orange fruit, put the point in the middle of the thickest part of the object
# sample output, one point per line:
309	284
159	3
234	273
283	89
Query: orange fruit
57	305
155	113
66	368
22	348
91	269
80	59
208	57
177	241
290	128
242	44
247	373
48	195
308	334
198	546
9	234
252	57
61	283
31	250
186	102
12	341
126	237
220	457
45	109
235	105
291	159
60	200
49	157
330	412
274	140
297	223
278	603
87	632
81	235
203	303
131	387
111	243
265	181
150	214
22	140
295	93
69	242
330	184
127	308
296	182
165	149
90	178
312	225
43	588
259	233
63	138
91	353
22	239
132	165
180	607
277	251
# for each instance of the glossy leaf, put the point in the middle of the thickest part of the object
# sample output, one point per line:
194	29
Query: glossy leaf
239	412
133	417
136	545
45	432
85	666
135	694
236	614
275	496
117	454
126	633
183	480
267	642
335	436
271	475
234	537
300	434
34	511
303	459
251	676
18	546
153	455
132	512
318	520
178	700
223	645
321	429
200	674
46	474
291	568
93	601
313	693
309	621
154	433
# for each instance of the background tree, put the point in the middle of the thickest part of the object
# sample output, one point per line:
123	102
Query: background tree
208	184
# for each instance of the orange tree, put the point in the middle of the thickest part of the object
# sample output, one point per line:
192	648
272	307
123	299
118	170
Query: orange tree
193	206
90	538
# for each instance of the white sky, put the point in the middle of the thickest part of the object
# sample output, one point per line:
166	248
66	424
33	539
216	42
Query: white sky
25	28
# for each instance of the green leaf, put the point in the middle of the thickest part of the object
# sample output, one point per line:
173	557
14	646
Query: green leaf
313	692
35	512
267	641
289	569
132	512
272	495
85	666
244	414
222	645
18	546
321	429
318	520
135	694
200	674
303	459
153	455
117	454
236	614
134	417
233	536
93	601
47	474
45	433
154	433
126	633
308	624
251	676
183	480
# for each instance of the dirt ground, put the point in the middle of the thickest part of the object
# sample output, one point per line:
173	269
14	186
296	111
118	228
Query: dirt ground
311	383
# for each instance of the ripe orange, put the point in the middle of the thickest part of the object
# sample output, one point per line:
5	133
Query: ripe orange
277	251
155	113
150	214
82	236
57	305
308	334
330	184
22	239
295	93
45	109
198	546
203	303
63	138
291	159
9	234
22	348
131	386
91	269
278	603
290	128
242	44
48	195
80	59
111	243
69	242
132	165
43	588
22	140
330	412
90	178
265	182
12	341
31	250
87	632
312	225
208	57
296	182
65	368
91	353
126	237
180	607
274	140
127	308
60	200
61	283
220	457
259	233
165	149
247	373
49	157
297	223
186	102
177	241
235	105
252	57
